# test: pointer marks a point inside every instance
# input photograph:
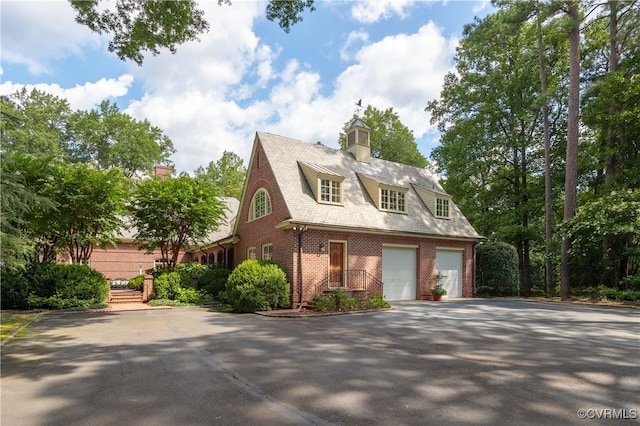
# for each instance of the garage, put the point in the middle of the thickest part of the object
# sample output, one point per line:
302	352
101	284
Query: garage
449	264
399	273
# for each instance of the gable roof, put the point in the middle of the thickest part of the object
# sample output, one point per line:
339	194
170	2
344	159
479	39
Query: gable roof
358	211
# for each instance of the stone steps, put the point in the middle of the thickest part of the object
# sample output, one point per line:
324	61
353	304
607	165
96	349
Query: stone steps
125	296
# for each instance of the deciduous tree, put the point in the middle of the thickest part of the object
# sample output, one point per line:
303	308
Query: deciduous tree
168	213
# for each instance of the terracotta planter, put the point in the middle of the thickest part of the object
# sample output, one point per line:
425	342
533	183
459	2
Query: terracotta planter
436	297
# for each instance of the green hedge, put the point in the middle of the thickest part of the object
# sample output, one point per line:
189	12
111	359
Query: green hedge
497	270
214	280
257	285
54	286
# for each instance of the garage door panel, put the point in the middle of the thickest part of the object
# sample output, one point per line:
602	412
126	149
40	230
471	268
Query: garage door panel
399	273
449	265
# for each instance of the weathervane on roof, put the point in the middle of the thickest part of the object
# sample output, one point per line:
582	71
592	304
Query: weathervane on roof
358	107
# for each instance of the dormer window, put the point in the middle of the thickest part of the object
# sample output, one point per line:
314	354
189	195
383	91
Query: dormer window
260	204
442	207
330	191
392	200
437	201
325	184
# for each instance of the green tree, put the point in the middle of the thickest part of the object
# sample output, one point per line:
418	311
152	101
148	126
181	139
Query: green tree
34	122
491	144
226	174
171	212
90	207
390	139
109	138
141	26
17	202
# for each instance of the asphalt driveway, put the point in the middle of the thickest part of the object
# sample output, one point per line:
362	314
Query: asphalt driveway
468	362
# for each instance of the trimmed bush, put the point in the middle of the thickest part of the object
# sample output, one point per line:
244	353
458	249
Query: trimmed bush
55	287
257	285
214	280
497	270
136	283
15	291
167	286
376	301
335	301
189	271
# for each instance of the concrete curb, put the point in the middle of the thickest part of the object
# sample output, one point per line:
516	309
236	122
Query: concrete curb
14	333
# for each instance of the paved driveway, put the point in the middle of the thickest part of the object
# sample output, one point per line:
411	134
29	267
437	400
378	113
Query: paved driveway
457	362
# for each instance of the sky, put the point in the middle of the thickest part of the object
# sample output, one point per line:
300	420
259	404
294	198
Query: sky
246	74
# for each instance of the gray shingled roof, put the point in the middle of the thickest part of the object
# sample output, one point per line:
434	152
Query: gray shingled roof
359	210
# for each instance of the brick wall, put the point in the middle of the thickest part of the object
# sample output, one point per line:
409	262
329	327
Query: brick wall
125	260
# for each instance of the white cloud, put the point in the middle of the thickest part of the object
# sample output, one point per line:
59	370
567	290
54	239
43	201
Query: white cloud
355	41
34	33
481	5
85	96
374	10
402	71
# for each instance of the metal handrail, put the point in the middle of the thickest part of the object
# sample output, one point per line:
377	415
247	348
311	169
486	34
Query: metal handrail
348	279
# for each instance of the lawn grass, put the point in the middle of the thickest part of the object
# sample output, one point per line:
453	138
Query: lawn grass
10	322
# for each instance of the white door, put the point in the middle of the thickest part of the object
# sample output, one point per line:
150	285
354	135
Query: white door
449	264
399	273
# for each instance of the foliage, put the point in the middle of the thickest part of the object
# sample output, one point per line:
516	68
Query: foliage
167	286
376	301
107	138
615	217
89	204
139	26
607	293
497	270
227	174
336	301
257	285
137	282
189	271
390	139
9	323
54	286
170	212
14	291
438	290
214	280
44	125
18	201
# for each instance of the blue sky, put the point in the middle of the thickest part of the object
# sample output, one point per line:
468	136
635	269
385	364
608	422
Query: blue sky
246	74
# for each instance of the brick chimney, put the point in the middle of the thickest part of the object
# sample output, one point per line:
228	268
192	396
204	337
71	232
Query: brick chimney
358	143
162	171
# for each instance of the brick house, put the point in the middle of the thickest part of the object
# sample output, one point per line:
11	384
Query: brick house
338	219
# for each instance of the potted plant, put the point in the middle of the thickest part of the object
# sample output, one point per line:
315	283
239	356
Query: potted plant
438	291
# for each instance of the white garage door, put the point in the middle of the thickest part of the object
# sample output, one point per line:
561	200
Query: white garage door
399	273
449	264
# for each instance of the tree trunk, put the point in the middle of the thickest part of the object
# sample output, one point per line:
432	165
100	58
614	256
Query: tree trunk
548	222
571	174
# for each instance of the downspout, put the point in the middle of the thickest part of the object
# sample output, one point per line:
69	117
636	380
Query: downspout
224	254
300	266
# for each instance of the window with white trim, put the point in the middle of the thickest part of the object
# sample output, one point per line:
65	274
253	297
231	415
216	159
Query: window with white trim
442	207
330	191
251	253
267	251
260	204
392	200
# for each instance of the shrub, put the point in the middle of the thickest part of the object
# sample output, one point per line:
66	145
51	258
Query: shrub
607	293
323	302
497	270
335	301
15	290
136	282
257	285
376	301
214	280
167	286
189	271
